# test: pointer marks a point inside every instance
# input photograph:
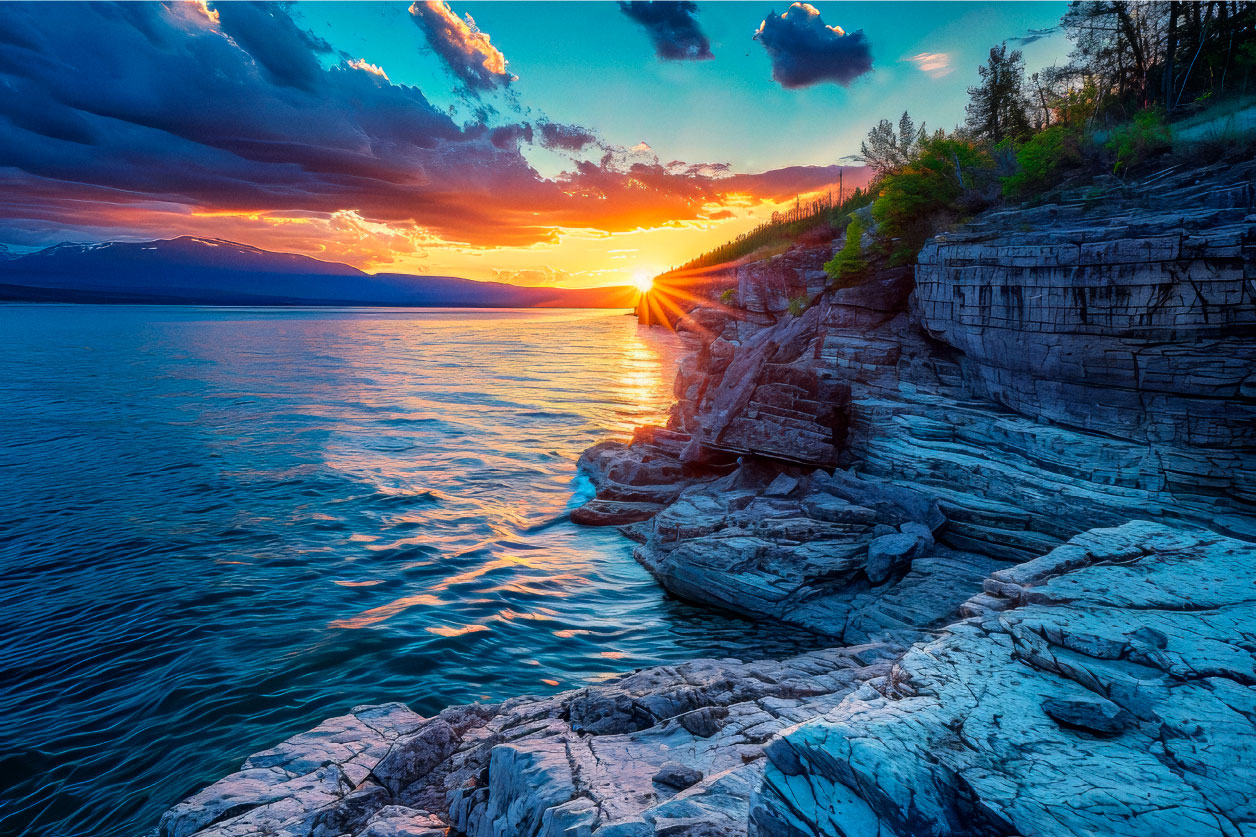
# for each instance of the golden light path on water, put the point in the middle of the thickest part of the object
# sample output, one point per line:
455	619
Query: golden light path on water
632	367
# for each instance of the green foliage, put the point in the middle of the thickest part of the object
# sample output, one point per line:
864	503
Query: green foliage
1139	140
1042	161
728	296
915	200
783	230
848	266
797	305
1076	105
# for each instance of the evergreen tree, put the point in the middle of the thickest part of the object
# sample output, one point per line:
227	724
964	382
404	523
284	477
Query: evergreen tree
997	106
886	149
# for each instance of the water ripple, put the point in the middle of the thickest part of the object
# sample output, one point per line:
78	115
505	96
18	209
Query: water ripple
218	527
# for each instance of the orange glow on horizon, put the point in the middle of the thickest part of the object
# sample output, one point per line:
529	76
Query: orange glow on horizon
567	258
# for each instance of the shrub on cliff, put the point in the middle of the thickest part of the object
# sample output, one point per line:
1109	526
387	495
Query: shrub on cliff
797	305
848	266
950	178
1137	141
1044	160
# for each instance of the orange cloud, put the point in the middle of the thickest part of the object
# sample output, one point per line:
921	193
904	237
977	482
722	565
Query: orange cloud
933	64
361	64
466	50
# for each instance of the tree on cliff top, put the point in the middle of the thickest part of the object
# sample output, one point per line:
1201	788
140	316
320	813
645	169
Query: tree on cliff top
948	179
997	105
886	149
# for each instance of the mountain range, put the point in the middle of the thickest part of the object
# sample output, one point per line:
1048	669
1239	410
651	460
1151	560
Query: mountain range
208	271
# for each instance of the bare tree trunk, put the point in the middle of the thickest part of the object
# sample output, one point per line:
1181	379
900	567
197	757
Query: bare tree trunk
1136	47
1227	28
1170	49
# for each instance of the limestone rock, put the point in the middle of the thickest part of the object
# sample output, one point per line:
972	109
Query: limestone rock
818	555
888	553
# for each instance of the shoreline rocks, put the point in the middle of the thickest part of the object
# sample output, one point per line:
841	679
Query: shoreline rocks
645	753
1107	687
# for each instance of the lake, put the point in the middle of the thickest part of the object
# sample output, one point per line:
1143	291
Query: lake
220	526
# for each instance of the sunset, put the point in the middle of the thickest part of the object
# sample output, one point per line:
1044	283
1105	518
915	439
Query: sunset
468	418
537	144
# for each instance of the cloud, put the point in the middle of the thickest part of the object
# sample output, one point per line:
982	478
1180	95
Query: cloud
364	66
566	137
1035	35
804	51
463	47
176	127
933	64
672	28
287	53
509	136
533	277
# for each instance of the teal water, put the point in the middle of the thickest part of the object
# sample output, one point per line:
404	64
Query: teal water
220	526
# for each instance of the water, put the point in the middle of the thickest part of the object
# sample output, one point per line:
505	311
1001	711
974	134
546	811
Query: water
220	526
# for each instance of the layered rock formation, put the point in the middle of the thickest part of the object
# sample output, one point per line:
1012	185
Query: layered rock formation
1027	388
932	460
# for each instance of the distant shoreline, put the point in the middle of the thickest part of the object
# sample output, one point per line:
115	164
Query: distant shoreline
23	294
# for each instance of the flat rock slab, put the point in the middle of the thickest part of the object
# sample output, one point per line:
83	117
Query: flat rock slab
613	512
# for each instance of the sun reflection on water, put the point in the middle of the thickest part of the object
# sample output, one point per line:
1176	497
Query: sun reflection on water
502	446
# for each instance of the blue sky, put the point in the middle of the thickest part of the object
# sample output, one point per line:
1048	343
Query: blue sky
587	63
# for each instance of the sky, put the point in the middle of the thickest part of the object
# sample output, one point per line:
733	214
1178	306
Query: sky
572	143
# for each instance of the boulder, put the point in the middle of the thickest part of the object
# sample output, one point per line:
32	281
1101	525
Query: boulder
678	776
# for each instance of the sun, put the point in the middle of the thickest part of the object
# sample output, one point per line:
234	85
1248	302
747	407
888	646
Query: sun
644	282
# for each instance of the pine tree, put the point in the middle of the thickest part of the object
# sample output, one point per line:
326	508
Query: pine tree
886	149
997	106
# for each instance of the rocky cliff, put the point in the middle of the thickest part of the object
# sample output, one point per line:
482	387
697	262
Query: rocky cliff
937	470
1018	382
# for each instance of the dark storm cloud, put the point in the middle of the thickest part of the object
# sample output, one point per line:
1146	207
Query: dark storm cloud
561	137
672	27
265	30
805	51
459	42
509	136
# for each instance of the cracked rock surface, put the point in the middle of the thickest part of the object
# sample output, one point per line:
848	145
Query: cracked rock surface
1108	687
669	750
